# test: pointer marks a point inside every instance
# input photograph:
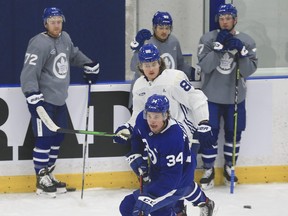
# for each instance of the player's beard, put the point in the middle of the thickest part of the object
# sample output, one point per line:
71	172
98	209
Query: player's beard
55	32
163	37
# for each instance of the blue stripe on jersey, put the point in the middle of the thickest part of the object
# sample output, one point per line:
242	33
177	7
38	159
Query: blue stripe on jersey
186	121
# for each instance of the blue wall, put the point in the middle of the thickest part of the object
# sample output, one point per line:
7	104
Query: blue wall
214	5
97	27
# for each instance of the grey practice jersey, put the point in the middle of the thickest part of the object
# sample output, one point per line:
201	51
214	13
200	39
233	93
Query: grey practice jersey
170	51
47	66
218	69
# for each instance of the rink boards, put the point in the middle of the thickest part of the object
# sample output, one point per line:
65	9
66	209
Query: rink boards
263	154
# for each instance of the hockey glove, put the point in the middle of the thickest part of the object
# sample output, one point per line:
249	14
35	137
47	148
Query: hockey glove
34	100
123	133
223	36
221	39
144	204
236	44
195	74
91	71
139	166
141	37
205	135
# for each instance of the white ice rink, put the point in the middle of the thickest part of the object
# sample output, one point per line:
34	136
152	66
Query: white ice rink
264	199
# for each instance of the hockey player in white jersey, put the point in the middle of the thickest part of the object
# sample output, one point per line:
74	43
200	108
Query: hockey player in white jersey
187	105
220	53
45	79
170	176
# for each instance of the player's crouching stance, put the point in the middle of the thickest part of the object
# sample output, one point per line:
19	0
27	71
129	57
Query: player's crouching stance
171	164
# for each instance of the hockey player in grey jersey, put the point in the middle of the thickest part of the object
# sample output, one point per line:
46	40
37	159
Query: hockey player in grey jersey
220	53
45	79
167	44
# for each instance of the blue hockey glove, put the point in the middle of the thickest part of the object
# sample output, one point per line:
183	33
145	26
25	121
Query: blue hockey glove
141	37
221	39
91	71
143	205
223	36
123	133
34	100
205	135
139	166
236	44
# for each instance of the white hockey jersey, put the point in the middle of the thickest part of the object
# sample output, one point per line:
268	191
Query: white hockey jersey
187	105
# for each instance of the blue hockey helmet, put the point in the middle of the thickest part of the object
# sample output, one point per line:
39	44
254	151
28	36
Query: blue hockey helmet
157	103
148	53
52	11
226	9
162	18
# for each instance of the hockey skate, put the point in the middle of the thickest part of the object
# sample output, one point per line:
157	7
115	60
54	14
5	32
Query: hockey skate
207	180
60	186
44	184
227	176
207	208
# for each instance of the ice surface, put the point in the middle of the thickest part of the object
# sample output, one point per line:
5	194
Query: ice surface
265	200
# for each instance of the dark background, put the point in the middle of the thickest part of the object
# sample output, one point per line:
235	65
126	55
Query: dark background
70	148
97	27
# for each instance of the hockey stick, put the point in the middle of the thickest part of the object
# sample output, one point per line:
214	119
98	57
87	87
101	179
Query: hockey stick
141	189
53	127
86	138
235	126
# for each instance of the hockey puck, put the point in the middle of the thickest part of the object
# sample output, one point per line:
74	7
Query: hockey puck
247	206
70	189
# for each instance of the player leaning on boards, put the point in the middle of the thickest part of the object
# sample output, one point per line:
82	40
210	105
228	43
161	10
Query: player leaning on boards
220	53
172	163
187	105
45	79
167	44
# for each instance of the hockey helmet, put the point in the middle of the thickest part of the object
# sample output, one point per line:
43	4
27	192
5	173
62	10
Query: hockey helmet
226	9
157	103
162	18
148	53
52	11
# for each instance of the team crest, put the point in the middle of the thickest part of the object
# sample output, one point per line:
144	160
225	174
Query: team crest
169	60
226	64
60	66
